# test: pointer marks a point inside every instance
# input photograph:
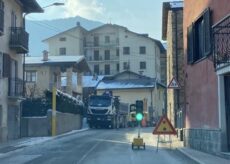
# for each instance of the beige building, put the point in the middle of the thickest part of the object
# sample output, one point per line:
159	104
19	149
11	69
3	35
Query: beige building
172	32
45	72
110	49
130	86
13	44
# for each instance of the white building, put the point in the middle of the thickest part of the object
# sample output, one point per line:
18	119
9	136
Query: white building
110	49
13	44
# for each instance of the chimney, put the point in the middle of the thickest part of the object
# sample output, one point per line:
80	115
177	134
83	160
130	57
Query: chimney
78	24
45	55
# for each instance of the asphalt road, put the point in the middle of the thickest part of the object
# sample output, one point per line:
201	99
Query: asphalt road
97	146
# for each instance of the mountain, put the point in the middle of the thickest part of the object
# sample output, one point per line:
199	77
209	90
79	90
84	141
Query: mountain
40	30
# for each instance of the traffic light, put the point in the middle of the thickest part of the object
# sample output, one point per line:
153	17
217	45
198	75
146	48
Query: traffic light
139	110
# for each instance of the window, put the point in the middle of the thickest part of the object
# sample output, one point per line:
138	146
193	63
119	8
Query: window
96	69
126	50
62	51
125	65
142	65
13	19
107	69
96	55
199	38
1	64
1	16
107	55
142	50
62	39
107	39
117	52
96	41
118	67
31	76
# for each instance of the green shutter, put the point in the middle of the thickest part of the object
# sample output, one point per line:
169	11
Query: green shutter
190	45
207	32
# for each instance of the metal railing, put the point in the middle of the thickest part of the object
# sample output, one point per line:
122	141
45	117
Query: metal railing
15	87
101	44
1	21
19	39
221	43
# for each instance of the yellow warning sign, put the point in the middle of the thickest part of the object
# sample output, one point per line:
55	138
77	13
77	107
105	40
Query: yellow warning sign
164	126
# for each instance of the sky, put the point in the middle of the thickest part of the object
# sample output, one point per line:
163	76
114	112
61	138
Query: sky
141	16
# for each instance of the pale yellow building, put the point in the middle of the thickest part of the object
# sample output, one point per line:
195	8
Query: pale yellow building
45	72
130	86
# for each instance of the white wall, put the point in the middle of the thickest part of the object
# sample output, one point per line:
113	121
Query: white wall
73	43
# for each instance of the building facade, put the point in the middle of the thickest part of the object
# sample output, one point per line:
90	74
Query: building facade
172	32
42	73
13	44
127	84
110	49
206	75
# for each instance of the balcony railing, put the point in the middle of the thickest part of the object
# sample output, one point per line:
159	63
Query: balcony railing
101	44
19	39
1	21
15	87
221	43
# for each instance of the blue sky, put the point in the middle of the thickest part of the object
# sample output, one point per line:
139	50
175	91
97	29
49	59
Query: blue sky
141	16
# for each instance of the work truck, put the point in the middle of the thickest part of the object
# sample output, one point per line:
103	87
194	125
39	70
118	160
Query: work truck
107	111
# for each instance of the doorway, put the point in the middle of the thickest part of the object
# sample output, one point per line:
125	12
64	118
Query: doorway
227	107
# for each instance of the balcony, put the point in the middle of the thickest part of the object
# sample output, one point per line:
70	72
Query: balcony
1	21
221	43
111	44
19	39
15	87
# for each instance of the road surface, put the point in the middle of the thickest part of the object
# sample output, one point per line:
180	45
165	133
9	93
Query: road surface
96	146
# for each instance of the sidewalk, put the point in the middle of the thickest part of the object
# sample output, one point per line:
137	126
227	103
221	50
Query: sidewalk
19	144
198	156
203	158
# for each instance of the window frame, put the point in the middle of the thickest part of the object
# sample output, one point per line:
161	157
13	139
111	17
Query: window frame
126	50
199	38
29	76
142	50
142	67
62	51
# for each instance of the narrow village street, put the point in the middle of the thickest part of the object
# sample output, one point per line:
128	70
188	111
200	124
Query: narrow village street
96	146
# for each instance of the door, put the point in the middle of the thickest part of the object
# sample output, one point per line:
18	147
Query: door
227	107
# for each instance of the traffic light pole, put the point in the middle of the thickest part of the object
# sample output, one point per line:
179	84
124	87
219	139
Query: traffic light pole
139	129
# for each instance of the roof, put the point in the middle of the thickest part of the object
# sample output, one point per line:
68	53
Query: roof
174	5
88	81
80	27
31	6
82	65
53	59
126	84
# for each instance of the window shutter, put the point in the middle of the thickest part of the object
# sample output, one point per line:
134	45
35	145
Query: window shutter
190	45
6	65
207	32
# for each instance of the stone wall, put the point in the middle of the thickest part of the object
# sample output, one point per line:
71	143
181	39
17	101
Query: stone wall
207	140
41	126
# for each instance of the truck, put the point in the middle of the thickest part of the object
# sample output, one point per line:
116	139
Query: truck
106	111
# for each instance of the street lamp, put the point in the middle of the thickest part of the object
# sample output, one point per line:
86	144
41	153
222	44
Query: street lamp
24	24
54	4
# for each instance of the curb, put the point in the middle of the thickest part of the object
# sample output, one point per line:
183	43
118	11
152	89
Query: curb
189	156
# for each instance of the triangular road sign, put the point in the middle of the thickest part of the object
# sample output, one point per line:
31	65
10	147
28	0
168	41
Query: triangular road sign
174	84
164	126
